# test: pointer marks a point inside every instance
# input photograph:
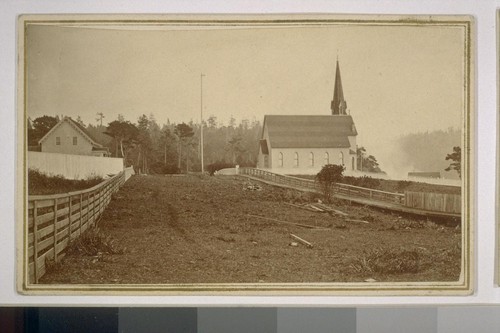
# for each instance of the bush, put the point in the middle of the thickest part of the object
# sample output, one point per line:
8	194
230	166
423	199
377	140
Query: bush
212	168
402	185
42	183
161	168
328	176
365	181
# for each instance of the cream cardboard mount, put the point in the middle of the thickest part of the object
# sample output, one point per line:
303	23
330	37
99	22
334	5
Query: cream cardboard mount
192	155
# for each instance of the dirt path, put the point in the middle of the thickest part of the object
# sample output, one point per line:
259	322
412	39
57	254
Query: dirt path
193	229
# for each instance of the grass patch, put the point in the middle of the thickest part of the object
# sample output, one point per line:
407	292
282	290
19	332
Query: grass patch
391	261
94	242
40	183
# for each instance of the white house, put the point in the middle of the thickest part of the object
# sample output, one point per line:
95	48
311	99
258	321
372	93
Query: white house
303	144
69	137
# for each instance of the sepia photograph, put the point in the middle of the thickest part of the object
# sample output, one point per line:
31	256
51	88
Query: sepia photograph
241	155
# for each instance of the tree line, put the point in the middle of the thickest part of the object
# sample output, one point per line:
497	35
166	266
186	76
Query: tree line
168	148
427	151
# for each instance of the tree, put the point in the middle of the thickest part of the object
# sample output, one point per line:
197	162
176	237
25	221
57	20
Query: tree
368	163
184	132
212	121
125	133
328	176
167	141
144	144
39	127
236	148
80	121
456	158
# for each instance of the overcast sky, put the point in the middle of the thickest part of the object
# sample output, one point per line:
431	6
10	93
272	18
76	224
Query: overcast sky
396	79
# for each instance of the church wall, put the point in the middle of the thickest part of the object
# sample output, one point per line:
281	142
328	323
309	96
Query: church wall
352	142
288	166
261	158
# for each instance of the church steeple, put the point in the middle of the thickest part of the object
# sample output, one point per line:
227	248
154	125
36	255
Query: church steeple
338	105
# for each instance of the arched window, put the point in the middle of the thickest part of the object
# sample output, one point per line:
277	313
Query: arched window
280	160
326	159
353	163
341	158
311	159
296	159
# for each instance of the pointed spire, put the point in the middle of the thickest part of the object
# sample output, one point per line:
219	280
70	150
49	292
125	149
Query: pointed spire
338	105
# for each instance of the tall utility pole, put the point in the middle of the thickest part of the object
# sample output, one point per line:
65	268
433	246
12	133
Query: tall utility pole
201	115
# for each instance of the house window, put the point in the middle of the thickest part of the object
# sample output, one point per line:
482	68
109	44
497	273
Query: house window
75	141
58	140
280	160
341	158
353	164
327	158
296	160
311	159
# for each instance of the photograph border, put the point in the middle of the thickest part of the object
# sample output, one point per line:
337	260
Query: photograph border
465	285
497	151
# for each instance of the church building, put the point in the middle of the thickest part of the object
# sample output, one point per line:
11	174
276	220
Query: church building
304	144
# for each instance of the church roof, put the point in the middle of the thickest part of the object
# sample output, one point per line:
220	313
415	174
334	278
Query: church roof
338	104
309	131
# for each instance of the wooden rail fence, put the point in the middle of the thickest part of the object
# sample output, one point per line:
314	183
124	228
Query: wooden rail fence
344	189
56	220
439	202
432	202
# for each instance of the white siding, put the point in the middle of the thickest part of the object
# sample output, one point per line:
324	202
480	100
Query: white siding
66	133
304	159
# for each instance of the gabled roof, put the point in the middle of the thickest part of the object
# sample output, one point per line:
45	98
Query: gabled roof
309	131
79	128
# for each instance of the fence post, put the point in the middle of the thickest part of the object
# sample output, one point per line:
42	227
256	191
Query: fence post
81	209
35	240
55	228
69	229
93	208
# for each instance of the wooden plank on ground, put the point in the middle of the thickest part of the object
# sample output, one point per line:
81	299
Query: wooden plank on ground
284	222
303	241
357	221
301	207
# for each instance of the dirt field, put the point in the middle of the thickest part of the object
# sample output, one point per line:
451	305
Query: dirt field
197	229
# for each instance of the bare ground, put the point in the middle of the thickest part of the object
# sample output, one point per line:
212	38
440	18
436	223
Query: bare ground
197	229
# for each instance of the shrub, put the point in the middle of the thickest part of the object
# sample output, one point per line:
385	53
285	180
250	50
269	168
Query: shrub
161	168
42	183
364	181
212	168
92	242
402	185
328	176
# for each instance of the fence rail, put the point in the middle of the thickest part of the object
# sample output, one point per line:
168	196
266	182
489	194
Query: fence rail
447	204
345	189
54	221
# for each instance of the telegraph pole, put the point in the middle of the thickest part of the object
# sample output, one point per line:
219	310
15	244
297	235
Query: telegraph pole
201	115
